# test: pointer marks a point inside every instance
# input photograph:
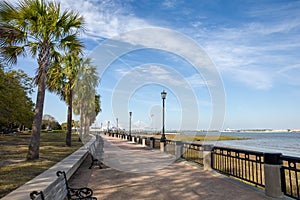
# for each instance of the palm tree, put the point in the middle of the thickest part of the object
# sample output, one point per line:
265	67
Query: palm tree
85	99
40	29
61	80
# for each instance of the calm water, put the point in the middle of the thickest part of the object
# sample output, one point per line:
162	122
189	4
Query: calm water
285	143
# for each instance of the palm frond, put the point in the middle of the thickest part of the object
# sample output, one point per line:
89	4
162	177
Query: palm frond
10	53
33	48
7	12
71	42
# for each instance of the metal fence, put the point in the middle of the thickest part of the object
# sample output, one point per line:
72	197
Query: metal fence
148	141
155	143
193	152
242	164
290	176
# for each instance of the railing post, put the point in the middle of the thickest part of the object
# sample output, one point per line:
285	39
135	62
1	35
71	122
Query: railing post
207	162
272	165
178	149
162	146
152	142
144	141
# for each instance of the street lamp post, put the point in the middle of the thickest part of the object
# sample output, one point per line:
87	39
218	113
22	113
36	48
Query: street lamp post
163	136
130	115
117	125
108	122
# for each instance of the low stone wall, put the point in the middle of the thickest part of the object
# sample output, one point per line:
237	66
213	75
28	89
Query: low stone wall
70	164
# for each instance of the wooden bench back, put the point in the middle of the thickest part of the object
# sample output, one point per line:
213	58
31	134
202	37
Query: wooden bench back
92	149
56	190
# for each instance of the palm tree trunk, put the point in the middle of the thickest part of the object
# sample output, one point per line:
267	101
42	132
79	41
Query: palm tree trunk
69	121
34	145
44	63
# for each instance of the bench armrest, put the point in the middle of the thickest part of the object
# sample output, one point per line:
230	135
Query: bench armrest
81	193
37	195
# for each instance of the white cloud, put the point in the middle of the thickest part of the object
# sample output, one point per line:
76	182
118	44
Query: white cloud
254	49
196	81
236	51
169	3
291	73
106	18
153	73
254	78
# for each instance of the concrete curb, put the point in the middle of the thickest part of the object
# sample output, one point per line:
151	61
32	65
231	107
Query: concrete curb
70	164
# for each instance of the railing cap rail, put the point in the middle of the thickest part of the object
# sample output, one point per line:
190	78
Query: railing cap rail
239	150
290	158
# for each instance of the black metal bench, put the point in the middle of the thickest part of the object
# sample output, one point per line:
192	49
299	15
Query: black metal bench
93	154
59	189
96	152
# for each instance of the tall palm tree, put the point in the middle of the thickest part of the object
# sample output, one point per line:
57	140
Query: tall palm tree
61	80
85	98
40	29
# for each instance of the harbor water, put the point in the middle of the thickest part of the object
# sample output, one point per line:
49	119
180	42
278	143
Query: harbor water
287	143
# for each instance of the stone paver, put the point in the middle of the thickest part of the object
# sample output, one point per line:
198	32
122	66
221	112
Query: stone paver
138	173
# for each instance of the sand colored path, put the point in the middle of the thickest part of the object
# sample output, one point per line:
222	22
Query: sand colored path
135	172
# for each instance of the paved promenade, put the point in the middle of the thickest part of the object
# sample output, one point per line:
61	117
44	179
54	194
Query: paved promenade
135	172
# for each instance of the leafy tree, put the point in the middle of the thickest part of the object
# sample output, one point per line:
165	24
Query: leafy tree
64	126
15	104
61	80
74	124
85	98
50	122
40	29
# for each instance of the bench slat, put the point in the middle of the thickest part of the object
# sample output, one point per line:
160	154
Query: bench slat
57	190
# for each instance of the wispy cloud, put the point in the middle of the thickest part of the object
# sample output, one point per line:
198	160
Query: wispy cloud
169	3
291	73
153	74
196	80
257	47
106	18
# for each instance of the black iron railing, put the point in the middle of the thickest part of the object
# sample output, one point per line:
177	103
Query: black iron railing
242	164
290	176
154	143
193	152
148	141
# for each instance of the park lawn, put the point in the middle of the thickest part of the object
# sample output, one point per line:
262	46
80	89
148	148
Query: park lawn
15	170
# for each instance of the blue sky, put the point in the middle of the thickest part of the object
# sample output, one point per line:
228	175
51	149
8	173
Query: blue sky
254	45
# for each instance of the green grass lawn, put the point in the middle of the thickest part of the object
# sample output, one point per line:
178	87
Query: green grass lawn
15	170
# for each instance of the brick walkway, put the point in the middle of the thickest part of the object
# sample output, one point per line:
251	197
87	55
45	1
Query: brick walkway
135	172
